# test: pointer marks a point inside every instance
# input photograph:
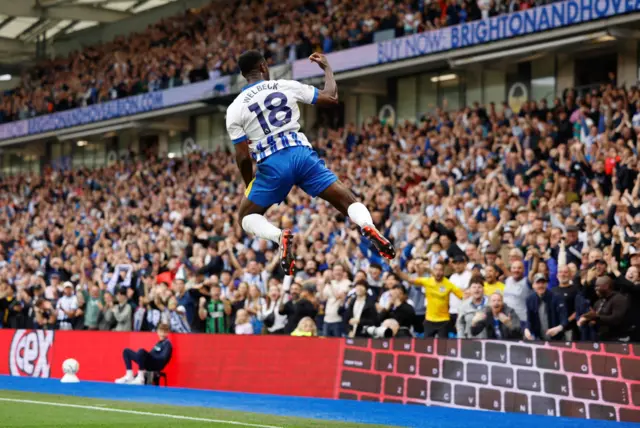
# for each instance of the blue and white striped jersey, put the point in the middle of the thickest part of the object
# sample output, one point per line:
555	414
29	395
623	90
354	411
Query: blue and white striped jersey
266	113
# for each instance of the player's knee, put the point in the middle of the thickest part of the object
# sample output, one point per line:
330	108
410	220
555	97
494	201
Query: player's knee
245	221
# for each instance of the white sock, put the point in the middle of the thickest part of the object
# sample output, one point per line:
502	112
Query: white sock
259	226
129	373
141	373
359	214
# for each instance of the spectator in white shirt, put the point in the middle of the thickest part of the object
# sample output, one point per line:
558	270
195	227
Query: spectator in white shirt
67	308
243	323
269	314
333	294
516	290
253	276
462	238
460	278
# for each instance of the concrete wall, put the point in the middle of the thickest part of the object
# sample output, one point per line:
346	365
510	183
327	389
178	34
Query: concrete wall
565	73
628	62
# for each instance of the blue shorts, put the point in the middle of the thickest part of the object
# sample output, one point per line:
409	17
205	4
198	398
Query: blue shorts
294	166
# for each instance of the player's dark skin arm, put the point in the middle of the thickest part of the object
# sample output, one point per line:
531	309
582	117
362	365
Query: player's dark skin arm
329	95
244	162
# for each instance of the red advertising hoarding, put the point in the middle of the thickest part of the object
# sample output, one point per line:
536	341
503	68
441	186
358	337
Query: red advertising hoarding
257	364
584	380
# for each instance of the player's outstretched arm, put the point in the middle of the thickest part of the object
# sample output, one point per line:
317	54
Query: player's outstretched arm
243	160
329	95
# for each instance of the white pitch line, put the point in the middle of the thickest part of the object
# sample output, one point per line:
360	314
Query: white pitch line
135	412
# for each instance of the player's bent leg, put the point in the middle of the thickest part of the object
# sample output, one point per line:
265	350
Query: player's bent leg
343	199
254	222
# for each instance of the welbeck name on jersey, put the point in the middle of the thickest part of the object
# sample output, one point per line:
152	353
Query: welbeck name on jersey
254	90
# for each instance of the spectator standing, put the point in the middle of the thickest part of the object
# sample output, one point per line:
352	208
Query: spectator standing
375	279
568	290
609	314
106	321
216	312
253	305
26	314
93	301
400	310
497	321
460	278
361	311
629	286
186	298
517	290
476	302
491	284
46	315
270	316
10	306
437	290
333	295
67	307
122	311
546	313
177	317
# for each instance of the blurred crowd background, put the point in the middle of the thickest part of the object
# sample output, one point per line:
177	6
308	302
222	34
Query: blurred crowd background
203	44
509	226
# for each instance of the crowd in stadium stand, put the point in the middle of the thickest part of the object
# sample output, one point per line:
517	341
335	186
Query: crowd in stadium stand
508	225
205	43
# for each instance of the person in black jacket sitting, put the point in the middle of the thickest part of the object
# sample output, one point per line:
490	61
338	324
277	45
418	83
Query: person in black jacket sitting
546	313
153	361
361	311
400	311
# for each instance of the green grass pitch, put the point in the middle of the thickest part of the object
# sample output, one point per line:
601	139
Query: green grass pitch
60	411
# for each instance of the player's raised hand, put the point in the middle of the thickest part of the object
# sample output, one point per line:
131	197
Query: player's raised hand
319	59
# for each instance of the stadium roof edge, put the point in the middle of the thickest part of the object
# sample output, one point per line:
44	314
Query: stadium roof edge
410	65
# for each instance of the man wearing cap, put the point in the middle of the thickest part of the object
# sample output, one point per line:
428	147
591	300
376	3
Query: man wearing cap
546	313
67	307
609	314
